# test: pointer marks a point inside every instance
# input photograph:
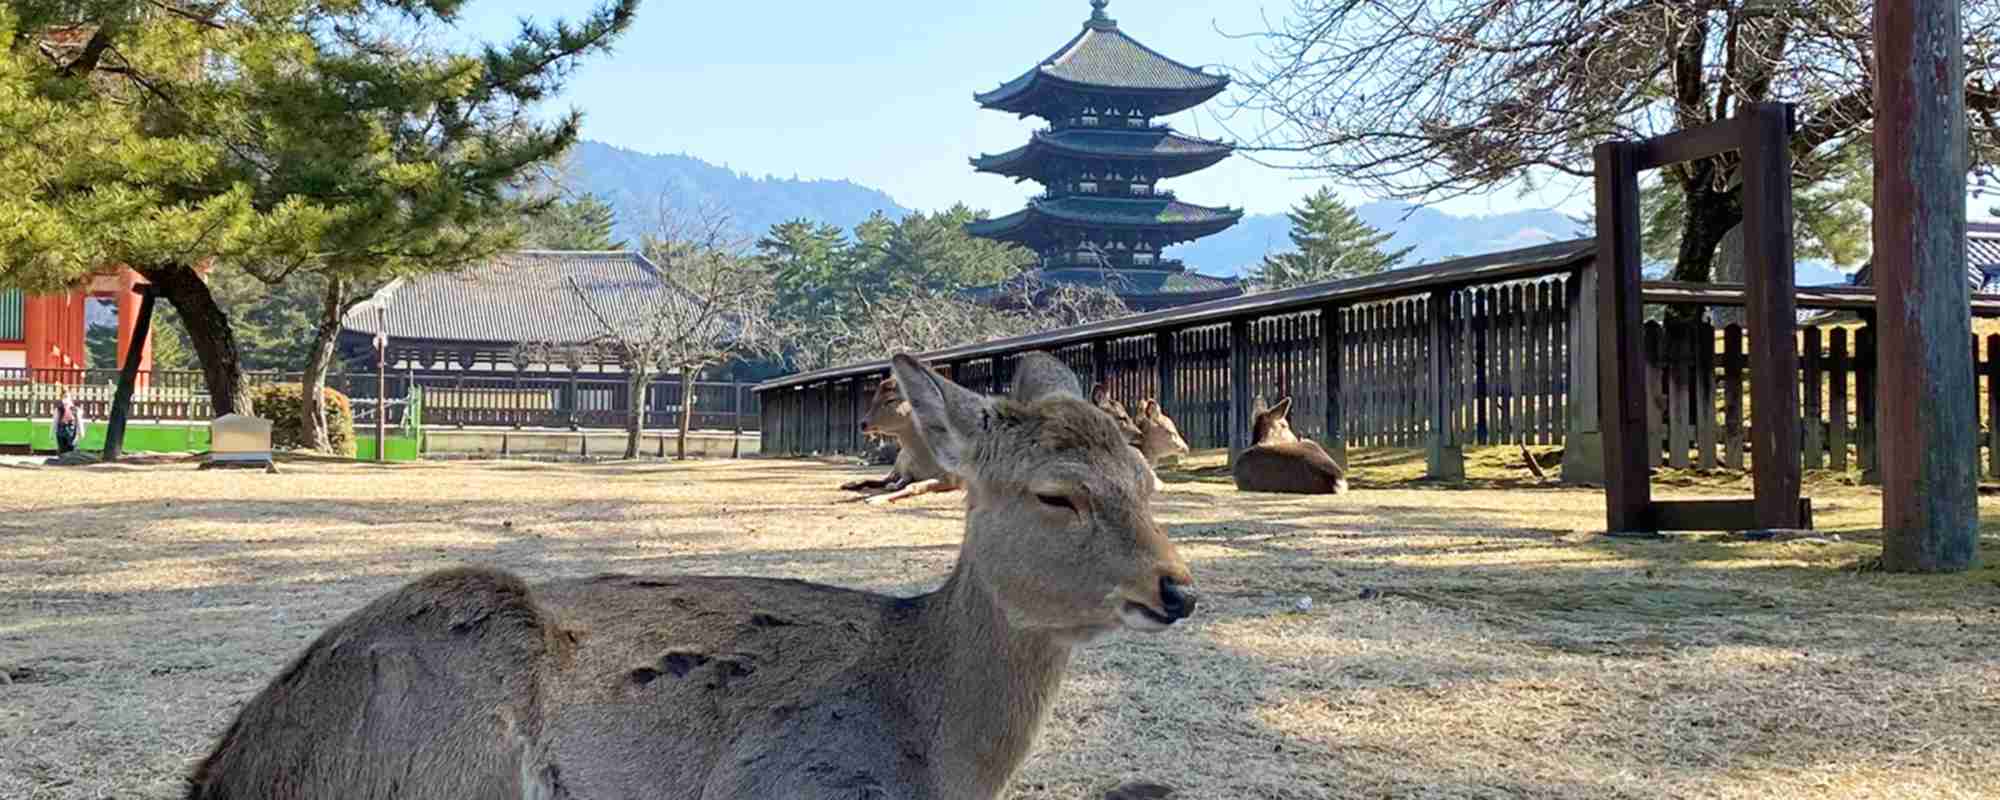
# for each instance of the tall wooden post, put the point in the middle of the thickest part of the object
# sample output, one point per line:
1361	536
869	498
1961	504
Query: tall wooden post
381	383
128	377
1100	361
1330	345
1771	309
1446	457
1583	444
1930	476
1239	388
1163	365
1621	376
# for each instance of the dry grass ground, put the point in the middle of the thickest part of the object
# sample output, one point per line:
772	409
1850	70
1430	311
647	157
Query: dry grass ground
1503	650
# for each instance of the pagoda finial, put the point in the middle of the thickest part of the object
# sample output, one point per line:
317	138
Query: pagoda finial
1097	16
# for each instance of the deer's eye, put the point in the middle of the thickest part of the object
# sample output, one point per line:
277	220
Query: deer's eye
1056	501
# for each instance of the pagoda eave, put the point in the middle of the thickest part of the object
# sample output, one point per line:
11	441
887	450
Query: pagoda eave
1036	225
1035	94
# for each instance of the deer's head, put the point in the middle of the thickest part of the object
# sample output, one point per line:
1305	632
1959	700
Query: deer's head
1060	529
1100	396
888	413
1273	426
1159	437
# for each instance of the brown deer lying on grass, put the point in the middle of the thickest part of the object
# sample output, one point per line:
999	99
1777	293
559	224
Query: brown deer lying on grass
468	683
1152	433
1279	461
917	471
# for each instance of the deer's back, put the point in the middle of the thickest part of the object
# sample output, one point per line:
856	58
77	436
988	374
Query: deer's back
467	684
1301	467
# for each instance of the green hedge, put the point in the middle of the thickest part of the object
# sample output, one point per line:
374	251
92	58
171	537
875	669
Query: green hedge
280	403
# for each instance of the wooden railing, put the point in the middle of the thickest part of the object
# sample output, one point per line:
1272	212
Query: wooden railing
1474	351
456	399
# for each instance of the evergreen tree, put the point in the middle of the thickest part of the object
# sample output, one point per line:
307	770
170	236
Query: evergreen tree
584	223
292	138
1332	243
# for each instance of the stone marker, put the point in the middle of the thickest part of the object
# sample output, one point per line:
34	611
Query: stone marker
237	441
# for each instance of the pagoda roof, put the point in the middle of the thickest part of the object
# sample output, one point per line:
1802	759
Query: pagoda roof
1102	57
1175	154
1029	225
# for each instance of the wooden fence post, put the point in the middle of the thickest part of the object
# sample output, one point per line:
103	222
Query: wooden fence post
1239	388
1330	345
1163	365
1446	459
1622	400
1100	362
1770	301
1583	450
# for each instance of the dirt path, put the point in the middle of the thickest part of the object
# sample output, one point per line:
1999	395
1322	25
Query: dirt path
1502	650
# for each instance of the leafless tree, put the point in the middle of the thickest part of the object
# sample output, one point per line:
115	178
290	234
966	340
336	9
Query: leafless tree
707	304
1424	101
921	320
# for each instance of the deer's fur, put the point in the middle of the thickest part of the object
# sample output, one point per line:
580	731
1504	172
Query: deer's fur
917	471
468	683
1280	461
1152	433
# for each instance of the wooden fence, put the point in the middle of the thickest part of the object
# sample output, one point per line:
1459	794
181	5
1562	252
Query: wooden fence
452	399
1471	352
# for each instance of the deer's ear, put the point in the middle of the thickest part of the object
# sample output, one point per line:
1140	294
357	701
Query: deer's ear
951	417
1151	408
1039	375
1100	395
1283	409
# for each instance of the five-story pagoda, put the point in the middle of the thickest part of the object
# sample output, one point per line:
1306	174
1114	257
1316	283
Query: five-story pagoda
1102	219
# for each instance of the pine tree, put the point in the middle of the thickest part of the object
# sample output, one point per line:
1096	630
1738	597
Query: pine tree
585	223
291	138
1331	243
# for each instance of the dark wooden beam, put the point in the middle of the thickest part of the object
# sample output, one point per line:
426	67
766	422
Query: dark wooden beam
1621	365
128	376
1239	389
1715	515
1330	345
1930	474
1771	309
1163	365
1859	299
1691	145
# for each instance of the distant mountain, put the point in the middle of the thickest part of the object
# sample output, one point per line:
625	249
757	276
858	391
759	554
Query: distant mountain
634	184
1434	235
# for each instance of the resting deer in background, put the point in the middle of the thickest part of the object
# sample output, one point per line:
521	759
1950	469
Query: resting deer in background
468	683
1279	461
1153	433
917	471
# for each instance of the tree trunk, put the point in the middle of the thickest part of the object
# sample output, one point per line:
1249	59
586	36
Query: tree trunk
688	376
312	384
1708	216
635	422
209	331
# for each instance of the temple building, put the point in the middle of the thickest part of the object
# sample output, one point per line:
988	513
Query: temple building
42	336
1102	219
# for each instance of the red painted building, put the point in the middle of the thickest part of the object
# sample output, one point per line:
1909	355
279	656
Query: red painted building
46	332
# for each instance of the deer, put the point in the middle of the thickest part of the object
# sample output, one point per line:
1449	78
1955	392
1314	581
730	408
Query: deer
471	683
1153	433
917	471
1279	461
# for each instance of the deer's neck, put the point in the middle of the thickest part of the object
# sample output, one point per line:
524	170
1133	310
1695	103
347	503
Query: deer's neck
994	684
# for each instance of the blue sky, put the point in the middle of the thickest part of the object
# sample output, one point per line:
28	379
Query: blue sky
880	92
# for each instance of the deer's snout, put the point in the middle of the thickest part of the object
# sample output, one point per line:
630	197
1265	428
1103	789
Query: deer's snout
1177	599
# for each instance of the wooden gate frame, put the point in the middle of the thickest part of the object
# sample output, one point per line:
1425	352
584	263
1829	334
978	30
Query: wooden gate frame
1762	132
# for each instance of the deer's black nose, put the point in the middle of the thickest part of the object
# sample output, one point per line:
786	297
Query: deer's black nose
1176	599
